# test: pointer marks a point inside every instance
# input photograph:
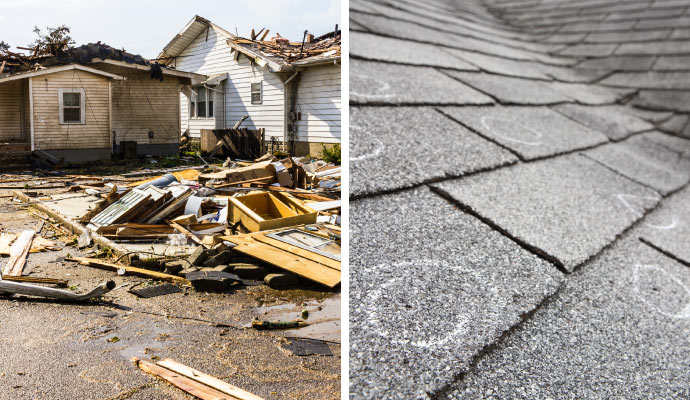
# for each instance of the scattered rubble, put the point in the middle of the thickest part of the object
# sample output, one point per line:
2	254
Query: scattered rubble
274	220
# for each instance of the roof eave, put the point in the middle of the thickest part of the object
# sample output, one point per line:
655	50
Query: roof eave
258	58
311	63
185	34
55	69
182	74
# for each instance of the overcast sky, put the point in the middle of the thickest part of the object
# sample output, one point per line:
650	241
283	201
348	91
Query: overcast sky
146	26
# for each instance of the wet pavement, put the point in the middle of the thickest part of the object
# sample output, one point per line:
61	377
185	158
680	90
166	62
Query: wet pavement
54	350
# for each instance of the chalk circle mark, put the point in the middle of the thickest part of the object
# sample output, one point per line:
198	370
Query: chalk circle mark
672	225
358	140
512	131
377	89
414	307
662	291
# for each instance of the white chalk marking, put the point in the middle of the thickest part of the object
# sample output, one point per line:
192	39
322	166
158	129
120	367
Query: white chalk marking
382	88
396	336
518	126
622	197
684	313
378	145
672	225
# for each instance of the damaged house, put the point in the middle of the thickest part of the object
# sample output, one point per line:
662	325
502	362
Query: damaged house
89	103
292	90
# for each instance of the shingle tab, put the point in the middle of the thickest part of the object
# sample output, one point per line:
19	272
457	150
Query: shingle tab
373	47
429	287
382	83
650	80
613	121
512	90
531	132
567	207
654	159
663	100
403	146
617	330
668	228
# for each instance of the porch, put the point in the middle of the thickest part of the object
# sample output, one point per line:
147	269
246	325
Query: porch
15	116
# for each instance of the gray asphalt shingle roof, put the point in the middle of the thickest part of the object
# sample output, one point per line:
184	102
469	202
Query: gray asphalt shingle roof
520	208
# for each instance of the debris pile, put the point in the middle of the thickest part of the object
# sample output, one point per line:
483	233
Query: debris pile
279	48
37	58
274	220
292	51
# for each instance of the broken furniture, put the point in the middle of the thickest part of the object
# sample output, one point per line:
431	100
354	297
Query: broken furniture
266	211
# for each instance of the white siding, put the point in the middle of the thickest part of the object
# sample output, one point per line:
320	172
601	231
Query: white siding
318	101
211	55
141	104
49	133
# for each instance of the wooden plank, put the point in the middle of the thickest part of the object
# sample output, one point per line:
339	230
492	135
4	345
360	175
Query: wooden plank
207	140
190	386
329	262
18	252
208	380
34	279
222	185
290	262
98	263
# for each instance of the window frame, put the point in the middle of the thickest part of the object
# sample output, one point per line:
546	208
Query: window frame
82	106
209	102
260	92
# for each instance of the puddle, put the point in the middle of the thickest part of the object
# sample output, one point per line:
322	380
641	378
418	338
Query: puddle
324	318
142	345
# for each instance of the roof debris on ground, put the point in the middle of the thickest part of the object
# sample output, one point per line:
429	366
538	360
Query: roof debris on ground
253	215
524	168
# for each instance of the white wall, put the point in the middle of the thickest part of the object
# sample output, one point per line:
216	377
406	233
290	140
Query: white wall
318	101
212	55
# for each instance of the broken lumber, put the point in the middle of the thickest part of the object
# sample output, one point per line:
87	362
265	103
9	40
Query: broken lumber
190	385
222	185
33	279
315	271
208	380
145	273
18	252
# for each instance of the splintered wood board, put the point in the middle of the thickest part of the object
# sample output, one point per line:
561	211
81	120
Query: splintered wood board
288	261
18	252
97	263
39	244
329	262
208	380
188	385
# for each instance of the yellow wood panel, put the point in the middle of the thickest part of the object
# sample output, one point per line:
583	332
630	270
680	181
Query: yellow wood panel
291	262
329	262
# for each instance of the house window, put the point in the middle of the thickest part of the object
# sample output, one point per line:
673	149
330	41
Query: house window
202	105
72	104
256	93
